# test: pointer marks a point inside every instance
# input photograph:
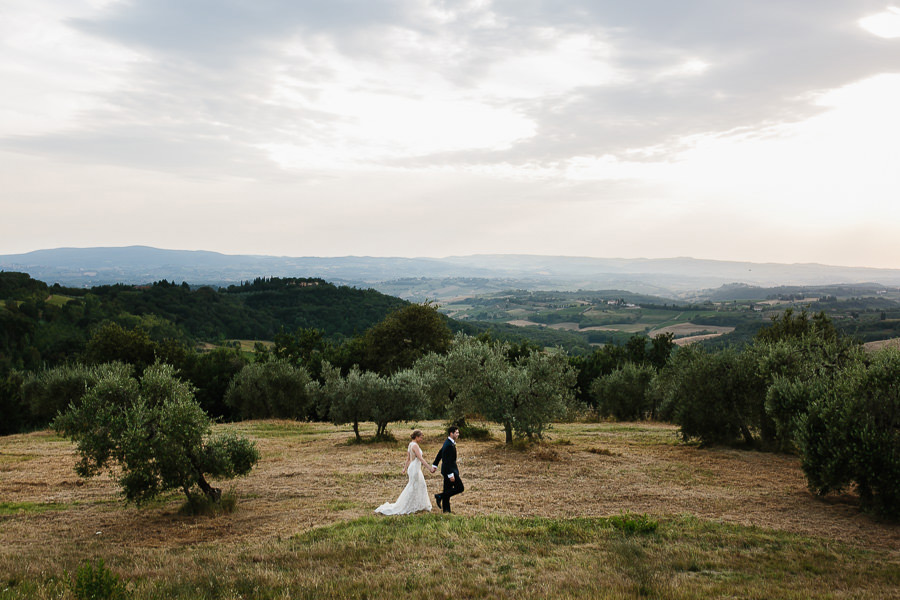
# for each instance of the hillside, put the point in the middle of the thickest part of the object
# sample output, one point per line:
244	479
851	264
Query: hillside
537	524
429	278
729	315
52	324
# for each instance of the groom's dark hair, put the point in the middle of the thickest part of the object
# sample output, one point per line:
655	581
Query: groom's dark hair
451	429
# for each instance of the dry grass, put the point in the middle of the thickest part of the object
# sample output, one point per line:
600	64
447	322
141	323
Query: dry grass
891	343
686	329
311	477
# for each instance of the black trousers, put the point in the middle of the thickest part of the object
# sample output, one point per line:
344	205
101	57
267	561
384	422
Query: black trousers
451	488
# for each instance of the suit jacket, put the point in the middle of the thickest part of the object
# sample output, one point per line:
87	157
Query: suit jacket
447	453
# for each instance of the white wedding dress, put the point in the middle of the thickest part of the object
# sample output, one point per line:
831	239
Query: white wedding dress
414	496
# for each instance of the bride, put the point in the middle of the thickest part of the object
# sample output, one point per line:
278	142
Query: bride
414	496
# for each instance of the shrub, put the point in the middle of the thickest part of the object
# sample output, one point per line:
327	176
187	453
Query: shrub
202	505
632	523
470	431
97	583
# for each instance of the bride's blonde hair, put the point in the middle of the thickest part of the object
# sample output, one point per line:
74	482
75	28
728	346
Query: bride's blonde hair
416	433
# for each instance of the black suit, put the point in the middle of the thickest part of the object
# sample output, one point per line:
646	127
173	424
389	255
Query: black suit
447	454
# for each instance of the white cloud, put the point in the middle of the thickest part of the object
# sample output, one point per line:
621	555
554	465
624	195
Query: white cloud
557	64
434	127
885	24
51	73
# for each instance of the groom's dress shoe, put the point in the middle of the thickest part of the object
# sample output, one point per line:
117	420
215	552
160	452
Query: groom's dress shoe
437	498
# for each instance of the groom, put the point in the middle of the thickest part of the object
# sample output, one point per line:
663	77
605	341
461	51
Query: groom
452	483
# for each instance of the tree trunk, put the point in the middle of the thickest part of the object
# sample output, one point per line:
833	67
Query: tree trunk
748	437
508	428
356	430
214	494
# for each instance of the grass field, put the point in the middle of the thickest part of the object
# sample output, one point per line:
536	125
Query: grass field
546	521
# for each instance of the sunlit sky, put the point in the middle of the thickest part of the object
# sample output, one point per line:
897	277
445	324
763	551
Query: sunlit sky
752	130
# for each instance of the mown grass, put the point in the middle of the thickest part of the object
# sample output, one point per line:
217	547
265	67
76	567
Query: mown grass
436	556
600	510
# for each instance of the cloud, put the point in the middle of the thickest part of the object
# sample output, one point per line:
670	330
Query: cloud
320	84
698	111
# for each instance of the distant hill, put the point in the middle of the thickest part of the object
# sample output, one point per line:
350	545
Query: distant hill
432	278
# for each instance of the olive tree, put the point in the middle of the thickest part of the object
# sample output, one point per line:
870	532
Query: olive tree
851	432
346	399
713	396
153	436
399	397
476	377
367	396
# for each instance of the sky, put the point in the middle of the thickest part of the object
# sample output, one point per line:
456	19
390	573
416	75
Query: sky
750	130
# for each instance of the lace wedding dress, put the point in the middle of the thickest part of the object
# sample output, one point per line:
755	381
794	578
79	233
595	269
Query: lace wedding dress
414	496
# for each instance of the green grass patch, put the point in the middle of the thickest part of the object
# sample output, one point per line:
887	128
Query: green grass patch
17	508
58	300
275	430
339	505
11	459
48	435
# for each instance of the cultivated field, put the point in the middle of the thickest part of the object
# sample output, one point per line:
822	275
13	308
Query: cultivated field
532	523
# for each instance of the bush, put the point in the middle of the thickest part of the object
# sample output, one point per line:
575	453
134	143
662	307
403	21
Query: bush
271	389
97	583
624	393
632	523
471	431
851	434
202	505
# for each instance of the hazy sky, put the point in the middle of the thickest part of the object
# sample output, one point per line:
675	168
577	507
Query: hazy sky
760	130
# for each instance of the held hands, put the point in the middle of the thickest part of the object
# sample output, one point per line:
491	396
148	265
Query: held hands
433	468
